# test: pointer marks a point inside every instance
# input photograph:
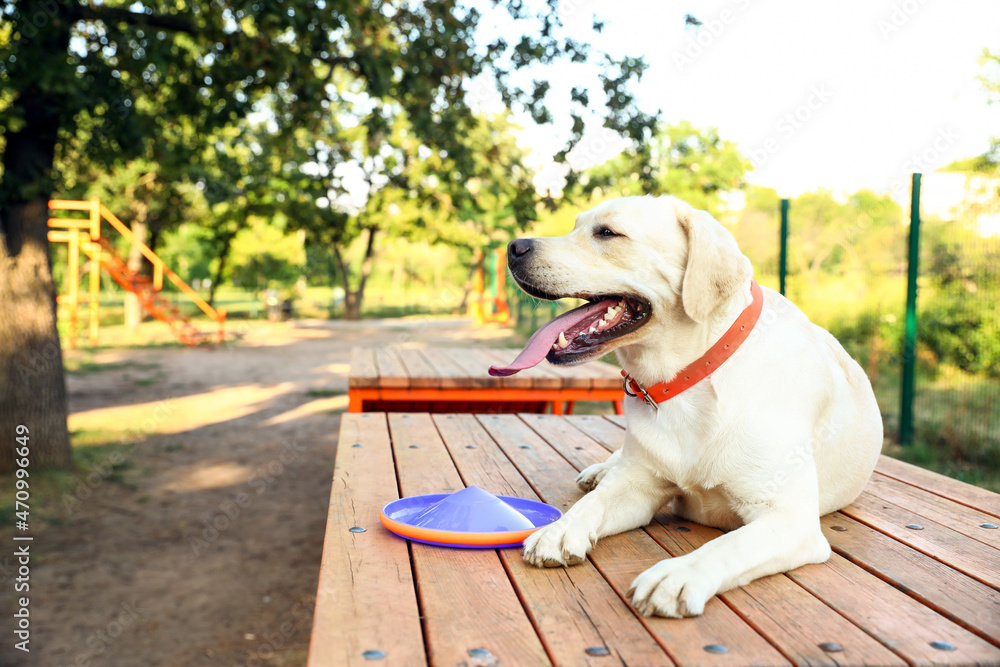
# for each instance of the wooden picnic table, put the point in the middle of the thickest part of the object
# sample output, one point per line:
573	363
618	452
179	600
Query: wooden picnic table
914	579
395	379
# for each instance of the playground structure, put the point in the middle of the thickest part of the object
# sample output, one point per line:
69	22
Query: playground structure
85	235
488	302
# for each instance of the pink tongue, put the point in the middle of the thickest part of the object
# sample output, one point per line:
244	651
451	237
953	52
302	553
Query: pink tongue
541	341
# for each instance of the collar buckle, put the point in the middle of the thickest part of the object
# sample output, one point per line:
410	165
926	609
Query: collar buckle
628	384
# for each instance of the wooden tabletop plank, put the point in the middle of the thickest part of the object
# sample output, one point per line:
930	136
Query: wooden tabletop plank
467	599
366	599
573	444
795	621
476	366
964	600
973	558
573	608
959	518
608	372
891	616
610	436
502	357
573	377
422	374
392	372
364	369
623	557
542	376
952	489
617	420
593	374
452	375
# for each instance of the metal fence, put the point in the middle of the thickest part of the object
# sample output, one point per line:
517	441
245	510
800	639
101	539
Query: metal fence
929	337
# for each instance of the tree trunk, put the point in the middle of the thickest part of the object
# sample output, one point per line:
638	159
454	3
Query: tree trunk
366	268
32	384
136	262
467	288
354	298
352	306
227	243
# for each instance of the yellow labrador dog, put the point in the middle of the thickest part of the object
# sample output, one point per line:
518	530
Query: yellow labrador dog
742	414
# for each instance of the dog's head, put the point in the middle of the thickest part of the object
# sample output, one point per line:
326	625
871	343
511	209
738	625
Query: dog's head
642	263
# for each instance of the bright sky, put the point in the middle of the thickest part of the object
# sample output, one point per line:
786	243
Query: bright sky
839	95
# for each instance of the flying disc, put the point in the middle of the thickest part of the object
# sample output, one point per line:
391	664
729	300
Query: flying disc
468	519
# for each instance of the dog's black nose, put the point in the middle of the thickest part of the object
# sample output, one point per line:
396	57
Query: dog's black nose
518	248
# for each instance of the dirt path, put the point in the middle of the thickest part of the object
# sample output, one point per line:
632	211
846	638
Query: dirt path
204	547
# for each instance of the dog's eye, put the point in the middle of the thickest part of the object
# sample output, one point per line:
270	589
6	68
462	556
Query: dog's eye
604	232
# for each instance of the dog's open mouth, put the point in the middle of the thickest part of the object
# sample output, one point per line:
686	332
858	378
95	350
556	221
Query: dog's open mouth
580	334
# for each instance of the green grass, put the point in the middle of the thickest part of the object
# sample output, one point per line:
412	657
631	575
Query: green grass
99	458
325	393
86	365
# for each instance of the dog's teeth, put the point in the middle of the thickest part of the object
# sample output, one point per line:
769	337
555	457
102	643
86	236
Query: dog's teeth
603	324
562	339
593	329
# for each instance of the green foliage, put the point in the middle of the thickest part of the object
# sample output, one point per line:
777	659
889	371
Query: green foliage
265	256
986	163
696	165
962	330
381	88
960	309
188	251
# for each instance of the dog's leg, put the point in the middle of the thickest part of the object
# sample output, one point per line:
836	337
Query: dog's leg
592	475
627	498
775	541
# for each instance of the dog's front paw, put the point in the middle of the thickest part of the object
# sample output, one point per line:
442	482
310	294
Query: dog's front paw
556	545
674	587
591	476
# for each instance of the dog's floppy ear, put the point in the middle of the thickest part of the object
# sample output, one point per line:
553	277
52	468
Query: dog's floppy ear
716	269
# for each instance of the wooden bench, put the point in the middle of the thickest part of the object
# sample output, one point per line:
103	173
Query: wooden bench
394	379
913	580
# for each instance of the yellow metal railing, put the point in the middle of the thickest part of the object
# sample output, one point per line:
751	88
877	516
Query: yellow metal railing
85	234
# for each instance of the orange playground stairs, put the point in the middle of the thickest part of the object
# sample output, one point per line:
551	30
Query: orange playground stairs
85	235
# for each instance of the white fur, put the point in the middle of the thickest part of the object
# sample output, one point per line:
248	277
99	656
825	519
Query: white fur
783	432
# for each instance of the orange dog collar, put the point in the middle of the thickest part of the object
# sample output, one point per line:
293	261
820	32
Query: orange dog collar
705	365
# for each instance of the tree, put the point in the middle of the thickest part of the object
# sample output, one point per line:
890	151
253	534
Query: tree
473	207
696	165
133	70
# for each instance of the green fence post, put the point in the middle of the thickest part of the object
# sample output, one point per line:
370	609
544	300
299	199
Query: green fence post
783	258
910	335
